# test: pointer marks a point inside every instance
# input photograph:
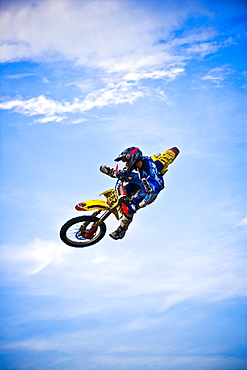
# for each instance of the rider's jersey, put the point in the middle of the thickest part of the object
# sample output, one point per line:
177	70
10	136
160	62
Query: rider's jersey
150	172
151	178
148	179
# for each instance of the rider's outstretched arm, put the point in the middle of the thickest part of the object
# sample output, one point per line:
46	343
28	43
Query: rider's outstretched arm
108	171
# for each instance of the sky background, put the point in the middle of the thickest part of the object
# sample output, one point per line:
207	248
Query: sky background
80	82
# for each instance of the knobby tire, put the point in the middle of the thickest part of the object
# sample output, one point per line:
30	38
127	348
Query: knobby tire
85	242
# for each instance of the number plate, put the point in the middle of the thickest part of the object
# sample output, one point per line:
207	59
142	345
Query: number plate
112	199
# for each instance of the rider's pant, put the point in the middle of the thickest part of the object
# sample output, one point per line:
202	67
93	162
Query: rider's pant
125	221
149	201
142	198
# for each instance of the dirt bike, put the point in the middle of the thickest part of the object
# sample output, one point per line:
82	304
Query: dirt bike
87	230
84	231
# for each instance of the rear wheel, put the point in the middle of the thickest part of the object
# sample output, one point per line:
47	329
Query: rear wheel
82	231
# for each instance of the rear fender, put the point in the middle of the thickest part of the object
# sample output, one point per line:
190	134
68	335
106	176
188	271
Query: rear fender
91	205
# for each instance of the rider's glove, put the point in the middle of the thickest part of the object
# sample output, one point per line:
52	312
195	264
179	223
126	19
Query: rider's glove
122	175
108	171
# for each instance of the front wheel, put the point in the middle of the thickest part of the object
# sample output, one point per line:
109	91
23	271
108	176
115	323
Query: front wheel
82	231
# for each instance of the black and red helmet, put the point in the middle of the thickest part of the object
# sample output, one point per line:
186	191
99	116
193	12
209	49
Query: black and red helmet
130	156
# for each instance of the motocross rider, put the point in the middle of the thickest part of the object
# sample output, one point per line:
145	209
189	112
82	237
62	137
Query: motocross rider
141	173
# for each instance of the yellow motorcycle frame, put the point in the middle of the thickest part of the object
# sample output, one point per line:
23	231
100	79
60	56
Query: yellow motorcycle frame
87	230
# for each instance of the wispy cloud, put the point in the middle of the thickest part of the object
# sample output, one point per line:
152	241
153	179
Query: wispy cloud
18	76
167	75
243	222
100	24
147	40
124	92
34	257
148	51
180	272
218	76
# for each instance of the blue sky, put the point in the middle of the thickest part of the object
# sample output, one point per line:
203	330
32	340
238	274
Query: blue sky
80	82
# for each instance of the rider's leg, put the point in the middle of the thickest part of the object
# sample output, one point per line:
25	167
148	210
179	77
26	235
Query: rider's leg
128	217
149	201
124	224
128	208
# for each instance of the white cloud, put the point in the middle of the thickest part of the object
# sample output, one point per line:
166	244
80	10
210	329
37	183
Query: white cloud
85	31
113	94
97	349
50	118
202	49
115	35
156	74
200	272
106	292
35	256
89	34
243	222
36	106
218	75
18	76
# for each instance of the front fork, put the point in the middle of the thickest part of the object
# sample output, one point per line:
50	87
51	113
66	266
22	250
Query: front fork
90	233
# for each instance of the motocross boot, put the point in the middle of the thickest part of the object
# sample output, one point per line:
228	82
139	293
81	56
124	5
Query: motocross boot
108	171
121	230
118	234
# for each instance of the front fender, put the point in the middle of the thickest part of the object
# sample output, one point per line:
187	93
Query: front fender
90	205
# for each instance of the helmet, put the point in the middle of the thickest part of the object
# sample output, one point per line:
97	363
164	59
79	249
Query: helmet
130	156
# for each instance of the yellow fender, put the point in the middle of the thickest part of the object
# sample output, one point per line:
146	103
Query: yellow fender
90	205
